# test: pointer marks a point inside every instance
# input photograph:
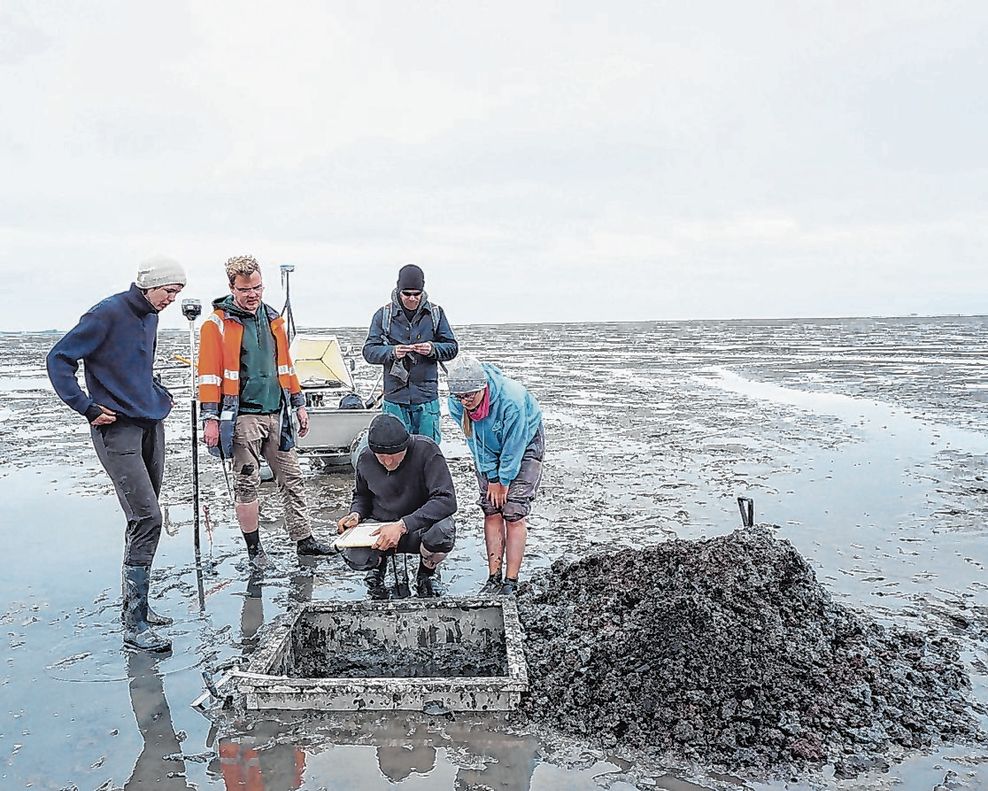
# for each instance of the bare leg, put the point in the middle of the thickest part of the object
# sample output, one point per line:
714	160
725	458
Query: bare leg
494	538
517	534
248	515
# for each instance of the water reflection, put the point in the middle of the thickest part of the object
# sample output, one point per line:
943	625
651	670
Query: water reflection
154	720
399	758
252	763
410	748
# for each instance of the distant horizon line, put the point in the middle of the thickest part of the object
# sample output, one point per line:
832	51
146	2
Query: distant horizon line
606	321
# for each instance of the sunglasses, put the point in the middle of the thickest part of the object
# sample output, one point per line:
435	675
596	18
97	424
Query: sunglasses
249	289
405	293
467	396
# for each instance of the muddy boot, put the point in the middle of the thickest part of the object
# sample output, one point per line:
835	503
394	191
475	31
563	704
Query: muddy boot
509	587
374	580
137	631
428	584
255	552
158	620
493	585
309	546
155	619
257	557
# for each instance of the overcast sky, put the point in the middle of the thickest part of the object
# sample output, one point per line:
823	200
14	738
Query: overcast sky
541	161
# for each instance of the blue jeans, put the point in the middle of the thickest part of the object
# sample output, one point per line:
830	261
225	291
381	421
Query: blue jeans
418	418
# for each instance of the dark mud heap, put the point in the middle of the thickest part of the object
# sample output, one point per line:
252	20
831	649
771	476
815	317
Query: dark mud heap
730	652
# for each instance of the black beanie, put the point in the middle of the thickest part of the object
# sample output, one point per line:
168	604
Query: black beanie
411	277
387	434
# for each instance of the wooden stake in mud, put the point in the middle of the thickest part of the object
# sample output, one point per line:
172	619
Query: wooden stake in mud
191	309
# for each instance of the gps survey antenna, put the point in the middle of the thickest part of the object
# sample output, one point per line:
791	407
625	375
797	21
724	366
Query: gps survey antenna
192	309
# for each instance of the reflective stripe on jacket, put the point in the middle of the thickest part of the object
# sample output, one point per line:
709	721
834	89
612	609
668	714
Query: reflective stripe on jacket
220	339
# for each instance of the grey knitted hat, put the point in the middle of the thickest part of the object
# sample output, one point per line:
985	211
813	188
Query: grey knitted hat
159	271
466	375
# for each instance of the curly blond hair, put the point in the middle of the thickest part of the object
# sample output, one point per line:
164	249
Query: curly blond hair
245	265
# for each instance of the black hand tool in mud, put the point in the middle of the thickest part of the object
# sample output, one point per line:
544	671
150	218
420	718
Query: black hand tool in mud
747	507
191	309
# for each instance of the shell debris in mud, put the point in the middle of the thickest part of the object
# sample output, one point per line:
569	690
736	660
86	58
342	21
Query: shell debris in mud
729	651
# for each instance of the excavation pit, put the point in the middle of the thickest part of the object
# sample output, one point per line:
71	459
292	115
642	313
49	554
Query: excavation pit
434	654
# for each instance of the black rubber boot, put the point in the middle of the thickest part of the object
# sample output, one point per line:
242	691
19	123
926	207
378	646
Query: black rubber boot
158	620
428	584
255	552
509	587
309	546
137	631
493	585
154	618
374	580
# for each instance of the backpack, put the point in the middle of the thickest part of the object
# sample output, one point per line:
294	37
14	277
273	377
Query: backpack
436	313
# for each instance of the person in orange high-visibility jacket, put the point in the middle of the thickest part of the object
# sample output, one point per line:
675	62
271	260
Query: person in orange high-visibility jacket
247	391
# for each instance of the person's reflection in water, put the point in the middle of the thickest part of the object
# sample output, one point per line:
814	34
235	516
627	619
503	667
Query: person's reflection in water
273	767
303	579
398	758
154	719
252	613
509	759
278	766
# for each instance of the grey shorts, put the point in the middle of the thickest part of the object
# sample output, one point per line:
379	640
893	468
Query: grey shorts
523	490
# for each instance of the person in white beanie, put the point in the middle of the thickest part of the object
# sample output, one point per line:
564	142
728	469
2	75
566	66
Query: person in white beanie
126	406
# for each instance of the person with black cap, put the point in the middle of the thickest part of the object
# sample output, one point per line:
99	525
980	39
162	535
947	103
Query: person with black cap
126	405
411	338
402	481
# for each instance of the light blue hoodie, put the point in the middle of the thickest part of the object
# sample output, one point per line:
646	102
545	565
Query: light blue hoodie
500	439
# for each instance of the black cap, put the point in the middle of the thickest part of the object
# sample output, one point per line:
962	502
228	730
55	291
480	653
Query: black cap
411	277
387	434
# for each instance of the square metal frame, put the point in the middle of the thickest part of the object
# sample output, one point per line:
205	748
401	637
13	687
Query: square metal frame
263	690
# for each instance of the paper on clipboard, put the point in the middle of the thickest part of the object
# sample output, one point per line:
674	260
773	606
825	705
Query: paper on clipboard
359	536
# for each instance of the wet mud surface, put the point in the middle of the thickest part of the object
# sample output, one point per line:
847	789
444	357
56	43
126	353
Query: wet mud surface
864	443
452	661
728	651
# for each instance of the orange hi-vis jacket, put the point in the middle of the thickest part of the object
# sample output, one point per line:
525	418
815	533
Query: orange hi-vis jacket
220	339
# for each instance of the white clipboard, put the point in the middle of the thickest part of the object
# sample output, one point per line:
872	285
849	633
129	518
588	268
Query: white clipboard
359	536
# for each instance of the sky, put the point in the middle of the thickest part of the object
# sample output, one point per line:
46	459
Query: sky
542	161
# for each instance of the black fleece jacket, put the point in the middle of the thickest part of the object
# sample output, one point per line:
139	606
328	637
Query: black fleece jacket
420	491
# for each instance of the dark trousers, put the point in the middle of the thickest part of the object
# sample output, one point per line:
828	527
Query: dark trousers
134	458
438	538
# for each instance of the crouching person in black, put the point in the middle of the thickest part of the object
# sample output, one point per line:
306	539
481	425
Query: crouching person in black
403	482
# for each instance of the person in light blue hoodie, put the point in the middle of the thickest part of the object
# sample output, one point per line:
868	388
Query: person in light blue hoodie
502	423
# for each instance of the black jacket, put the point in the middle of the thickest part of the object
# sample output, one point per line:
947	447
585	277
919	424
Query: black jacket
420	382
420	491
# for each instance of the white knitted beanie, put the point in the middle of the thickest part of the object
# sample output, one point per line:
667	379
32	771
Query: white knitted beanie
159	271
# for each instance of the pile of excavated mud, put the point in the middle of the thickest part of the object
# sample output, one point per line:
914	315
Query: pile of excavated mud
730	652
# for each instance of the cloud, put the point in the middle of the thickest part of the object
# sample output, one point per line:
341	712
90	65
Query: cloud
542	160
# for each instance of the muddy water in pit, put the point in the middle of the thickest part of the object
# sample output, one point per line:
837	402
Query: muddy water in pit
864	441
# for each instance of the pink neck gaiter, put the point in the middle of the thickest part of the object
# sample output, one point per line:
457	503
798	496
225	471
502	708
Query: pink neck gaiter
483	408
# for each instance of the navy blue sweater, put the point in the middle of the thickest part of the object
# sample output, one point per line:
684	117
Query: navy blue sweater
420	491
117	340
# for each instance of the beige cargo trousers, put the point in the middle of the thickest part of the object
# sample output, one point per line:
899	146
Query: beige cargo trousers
256	437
